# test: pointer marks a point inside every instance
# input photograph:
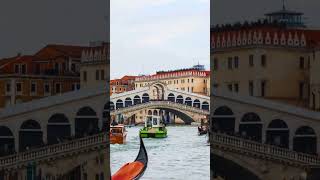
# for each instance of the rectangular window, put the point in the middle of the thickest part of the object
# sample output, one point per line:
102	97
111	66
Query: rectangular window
58	88
263	88
251	60
251	88
236	87
230	87
215	64
236	62
84	75
17	68
78	86
102	75
73	87
97	74
301	64
18	87
191	89
46	88
263	60
8	87
33	87
229	63
301	92
23	69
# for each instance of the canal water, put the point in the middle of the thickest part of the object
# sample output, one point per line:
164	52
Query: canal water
183	155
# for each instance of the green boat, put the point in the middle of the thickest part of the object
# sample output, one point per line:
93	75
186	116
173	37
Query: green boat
153	128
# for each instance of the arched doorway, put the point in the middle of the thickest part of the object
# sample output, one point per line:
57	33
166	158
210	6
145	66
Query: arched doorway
111	106
179	99
86	122
305	140
127	102
205	106
188	101
145	98
196	103
30	135
251	127
223	120
278	133
157	91
119	104
58	128
136	100
150	112
171	97
6	141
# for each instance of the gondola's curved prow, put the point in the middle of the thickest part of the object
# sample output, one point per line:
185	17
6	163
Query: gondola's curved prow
136	169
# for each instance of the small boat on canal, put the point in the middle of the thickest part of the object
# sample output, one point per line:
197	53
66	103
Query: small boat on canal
136	169
202	130
153	128
118	134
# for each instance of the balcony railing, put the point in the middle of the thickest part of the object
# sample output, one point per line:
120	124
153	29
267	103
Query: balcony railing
236	143
53	150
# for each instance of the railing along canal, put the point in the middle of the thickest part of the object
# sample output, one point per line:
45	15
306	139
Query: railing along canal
52	150
265	149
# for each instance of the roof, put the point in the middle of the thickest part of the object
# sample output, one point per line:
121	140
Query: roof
54	50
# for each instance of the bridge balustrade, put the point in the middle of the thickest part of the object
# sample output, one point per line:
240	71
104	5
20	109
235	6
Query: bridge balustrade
264	149
161	103
52	150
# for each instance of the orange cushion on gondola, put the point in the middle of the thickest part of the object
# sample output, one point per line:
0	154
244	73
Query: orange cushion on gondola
128	171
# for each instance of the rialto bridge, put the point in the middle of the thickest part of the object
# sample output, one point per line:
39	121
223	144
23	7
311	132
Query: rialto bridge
158	99
70	126
262	139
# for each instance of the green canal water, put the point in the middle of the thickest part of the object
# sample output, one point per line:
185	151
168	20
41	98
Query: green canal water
183	155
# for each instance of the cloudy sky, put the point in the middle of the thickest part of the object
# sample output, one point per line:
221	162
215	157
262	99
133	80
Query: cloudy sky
151	35
229	11
27	26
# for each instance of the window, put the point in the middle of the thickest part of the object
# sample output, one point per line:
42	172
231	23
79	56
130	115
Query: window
236	87
17	68
301	92
97	74
251	88
64	67
263	88
102	75
18	88
73	67
251	60
46	88
8	87
56	67
229	63
191	89
58	88
236	62
73	87
33	87
215	64
263	60
301	64
191	80
84	75
78	86
230	87
23	69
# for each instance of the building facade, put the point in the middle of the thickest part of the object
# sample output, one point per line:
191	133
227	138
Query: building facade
256	59
194	80
124	84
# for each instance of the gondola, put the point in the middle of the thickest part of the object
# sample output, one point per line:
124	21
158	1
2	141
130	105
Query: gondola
202	131
133	170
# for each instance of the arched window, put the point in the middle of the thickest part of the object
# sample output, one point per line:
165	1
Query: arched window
223	120
30	135
196	103
58	128
205	106
251	127
7	145
145	98
128	102
136	100
188	101
179	99
171	97
305	140
278	133
86	122
119	104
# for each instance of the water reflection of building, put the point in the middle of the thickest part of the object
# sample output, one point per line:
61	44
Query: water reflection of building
265	86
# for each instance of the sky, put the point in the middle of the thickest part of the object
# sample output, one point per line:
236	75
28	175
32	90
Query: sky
27	26
229	11
152	35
